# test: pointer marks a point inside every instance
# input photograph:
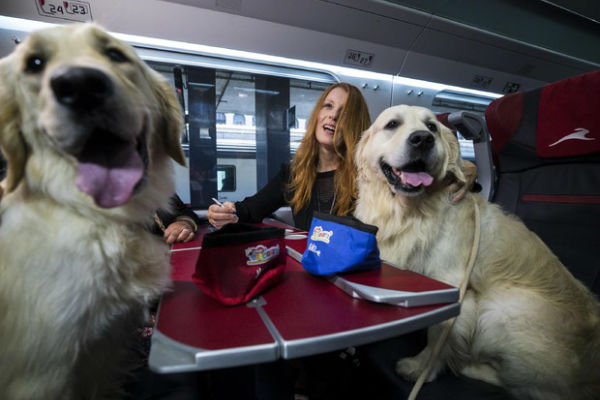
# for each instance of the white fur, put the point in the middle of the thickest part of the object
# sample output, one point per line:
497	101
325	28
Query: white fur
526	323
75	278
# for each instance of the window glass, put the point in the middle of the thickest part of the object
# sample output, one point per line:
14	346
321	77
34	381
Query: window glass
240	127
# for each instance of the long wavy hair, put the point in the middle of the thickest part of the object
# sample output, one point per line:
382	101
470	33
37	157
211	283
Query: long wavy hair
353	120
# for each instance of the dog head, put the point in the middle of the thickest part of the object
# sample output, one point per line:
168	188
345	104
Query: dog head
79	108
410	150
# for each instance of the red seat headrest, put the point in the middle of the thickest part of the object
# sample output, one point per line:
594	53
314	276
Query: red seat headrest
568	121
561	119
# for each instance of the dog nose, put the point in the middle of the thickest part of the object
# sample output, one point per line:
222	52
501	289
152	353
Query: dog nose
81	87
422	140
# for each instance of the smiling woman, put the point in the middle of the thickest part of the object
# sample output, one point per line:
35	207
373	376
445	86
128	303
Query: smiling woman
322	174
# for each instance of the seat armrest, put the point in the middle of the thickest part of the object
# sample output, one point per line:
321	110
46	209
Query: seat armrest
473	127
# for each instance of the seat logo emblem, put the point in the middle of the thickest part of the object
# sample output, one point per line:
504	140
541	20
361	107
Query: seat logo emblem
578	134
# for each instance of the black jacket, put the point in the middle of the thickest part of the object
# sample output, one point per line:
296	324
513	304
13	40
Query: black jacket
178	209
274	195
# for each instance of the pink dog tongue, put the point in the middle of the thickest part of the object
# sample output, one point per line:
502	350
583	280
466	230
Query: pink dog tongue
416	178
110	180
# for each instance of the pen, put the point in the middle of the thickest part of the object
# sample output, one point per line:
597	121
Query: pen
217	202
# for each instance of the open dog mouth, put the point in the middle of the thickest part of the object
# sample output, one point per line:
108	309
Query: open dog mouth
110	168
410	179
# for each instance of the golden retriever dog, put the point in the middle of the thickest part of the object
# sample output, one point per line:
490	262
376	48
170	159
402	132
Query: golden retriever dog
526	323
89	132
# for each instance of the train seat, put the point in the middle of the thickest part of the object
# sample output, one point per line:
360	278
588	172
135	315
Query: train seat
546	150
539	154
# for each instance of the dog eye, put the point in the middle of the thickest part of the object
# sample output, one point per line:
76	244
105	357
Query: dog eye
116	55
393	124
431	126
34	64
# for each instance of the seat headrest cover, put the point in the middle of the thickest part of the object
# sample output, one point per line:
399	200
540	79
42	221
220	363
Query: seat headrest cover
569	117
503	117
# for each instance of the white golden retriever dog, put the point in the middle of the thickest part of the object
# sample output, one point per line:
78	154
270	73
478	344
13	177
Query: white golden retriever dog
526	323
89	132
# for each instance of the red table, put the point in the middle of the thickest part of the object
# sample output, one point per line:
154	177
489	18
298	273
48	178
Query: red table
301	316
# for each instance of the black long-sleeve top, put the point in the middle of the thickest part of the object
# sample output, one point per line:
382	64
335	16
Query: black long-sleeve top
178	211
276	194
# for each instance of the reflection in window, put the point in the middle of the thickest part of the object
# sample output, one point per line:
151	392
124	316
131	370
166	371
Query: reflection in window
221	119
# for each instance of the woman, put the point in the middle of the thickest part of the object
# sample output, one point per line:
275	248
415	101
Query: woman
321	175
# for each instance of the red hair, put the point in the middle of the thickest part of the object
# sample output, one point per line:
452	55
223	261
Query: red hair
353	120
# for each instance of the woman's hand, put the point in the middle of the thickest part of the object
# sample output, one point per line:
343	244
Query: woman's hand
179	231
459	192
219	216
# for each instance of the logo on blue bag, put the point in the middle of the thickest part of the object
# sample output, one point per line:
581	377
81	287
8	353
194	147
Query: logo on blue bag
261	254
319	235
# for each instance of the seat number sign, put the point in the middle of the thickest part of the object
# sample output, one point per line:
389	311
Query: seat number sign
71	10
355	57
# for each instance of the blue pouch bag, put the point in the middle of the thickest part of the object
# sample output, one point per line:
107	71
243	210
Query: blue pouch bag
338	245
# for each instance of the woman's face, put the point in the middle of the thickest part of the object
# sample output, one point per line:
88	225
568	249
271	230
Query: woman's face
328	116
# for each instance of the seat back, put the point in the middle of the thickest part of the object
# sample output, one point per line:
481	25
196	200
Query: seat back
546	147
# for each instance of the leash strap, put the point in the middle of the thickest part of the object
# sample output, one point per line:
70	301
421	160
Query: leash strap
461	294
159	222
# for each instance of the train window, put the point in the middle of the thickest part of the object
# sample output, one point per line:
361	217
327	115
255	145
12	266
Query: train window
450	101
240	127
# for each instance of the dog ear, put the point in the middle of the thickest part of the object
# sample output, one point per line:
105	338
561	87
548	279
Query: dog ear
172	119
12	144
358	151
454	166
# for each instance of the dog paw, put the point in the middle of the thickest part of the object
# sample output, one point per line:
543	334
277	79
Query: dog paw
409	368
